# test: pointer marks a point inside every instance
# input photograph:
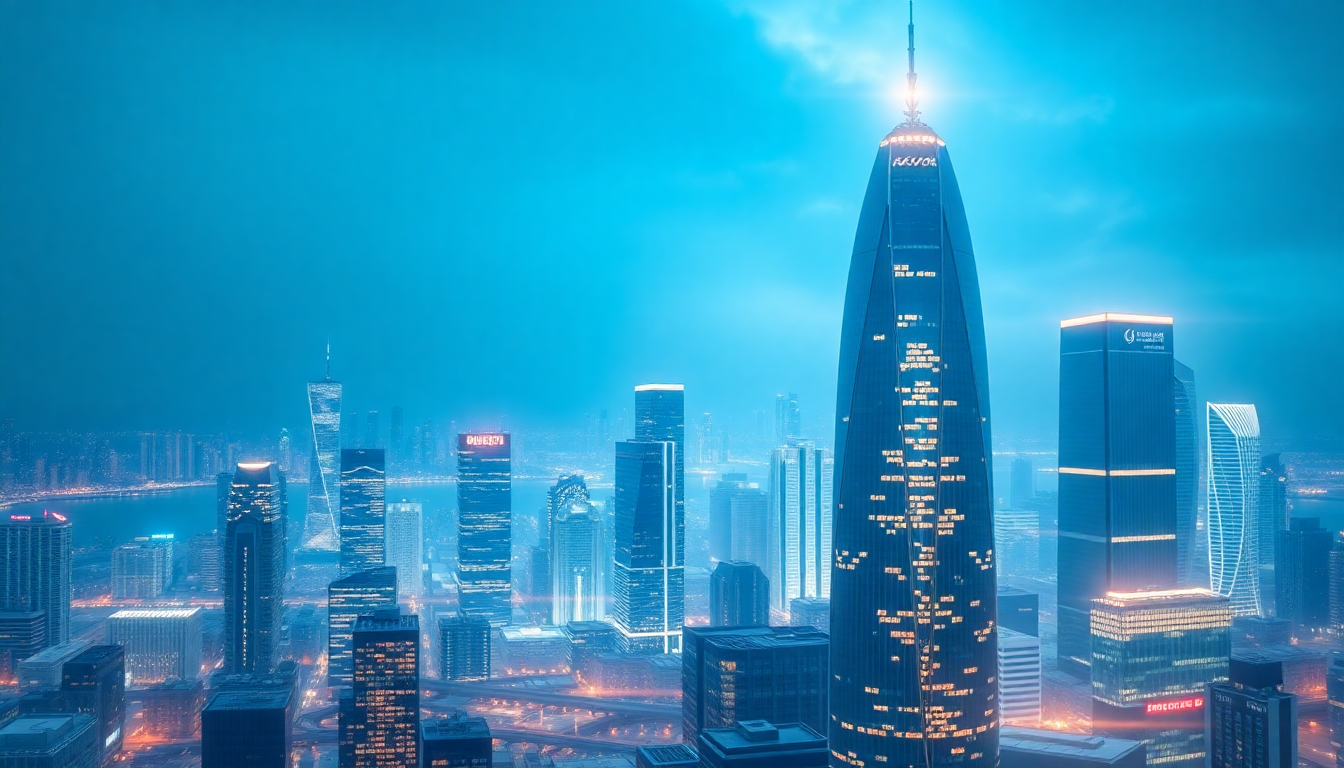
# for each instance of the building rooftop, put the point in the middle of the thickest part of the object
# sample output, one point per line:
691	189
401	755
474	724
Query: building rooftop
163	613
456	727
1015	592
531	634
761	736
746	638
674	754
46	518
98	654
1077	745
276	698
38	732
176	685
1279	653
387	619
589	627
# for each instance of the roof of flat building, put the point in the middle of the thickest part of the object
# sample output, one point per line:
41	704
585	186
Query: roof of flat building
762	736
761	637
57	654
39	731
273	698
456	727
162	613
673	754
1099	748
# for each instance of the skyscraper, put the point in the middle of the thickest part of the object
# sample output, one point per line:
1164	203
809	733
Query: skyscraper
142	568
1273	518
738	521
799	552
324	412
1302	577
560	498
660	416
1234	503
160	644
223	489
463	648
94	683
912	593
1117	467
485	526
1019	678
1188	547
578	560
356	595
41	544
1250	722
788	419
249	728
456	741
648	580
739	595
386	692
255	546
405	545
363	497
1022	485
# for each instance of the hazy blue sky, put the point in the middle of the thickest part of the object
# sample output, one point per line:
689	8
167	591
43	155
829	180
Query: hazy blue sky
526	208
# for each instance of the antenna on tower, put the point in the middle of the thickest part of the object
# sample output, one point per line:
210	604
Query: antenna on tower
911	95
328	358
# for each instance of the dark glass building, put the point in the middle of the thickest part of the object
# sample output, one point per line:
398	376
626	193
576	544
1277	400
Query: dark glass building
761	744
648	577
1032	748
349	598
739	595
660	416
51	741
1019	610
913	653
94	683
1117	467
770	673
1022	485
738	521
384	718
363	509
464	648
457	741
484	526
1188	548
1250	722
255	547
250	728
1302	576
41	544
586	641
810	612
1273	513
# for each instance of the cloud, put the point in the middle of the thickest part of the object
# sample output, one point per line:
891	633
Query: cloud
831	39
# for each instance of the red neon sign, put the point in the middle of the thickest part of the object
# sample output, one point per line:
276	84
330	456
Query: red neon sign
1174	705
485	440
20	517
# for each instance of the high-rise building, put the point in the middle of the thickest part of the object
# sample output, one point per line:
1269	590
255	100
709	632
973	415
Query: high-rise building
464	648
798	555
42	671
251	728
22	634
738	521
747	673
758	743
172	709
578	567
532	650
539	591
383	722
660	416
204	555
142	569
50	741
324	412
1188	545
94	683
1019	678
568	491
912	591
223	489
648	577
810	612
255	546
1022	485
160	644
484	526
1152	655
363	509
1117	467
358	594
1019	610
1249	721
1017	541
405	545
586	640
739	595
788	419
42	545
1234	503
1302	576
456	741
1272	510
1032	748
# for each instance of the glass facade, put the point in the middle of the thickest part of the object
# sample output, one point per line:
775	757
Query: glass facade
560	498
42	545
386	691
349	598
648	576
1234	504
255	547
485	526
363	509
739	595
404	545
324	414
1188	547
912	584
738	528
799	524
163	644
1117	467
464	648
660	416
1273	510
578	562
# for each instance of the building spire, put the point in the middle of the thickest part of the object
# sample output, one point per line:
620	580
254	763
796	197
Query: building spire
911	95
328	358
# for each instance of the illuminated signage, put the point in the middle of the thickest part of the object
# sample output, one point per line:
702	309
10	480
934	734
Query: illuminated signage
59	517
21	517
168	536
915	161
1174	705
485	440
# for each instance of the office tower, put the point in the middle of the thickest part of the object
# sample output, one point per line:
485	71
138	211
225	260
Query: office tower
484	526
371	437
739	595
160	644
648	577
464	648
1152	654
578	567
285	678
1022	485
1019	610
22	634
532	650
324	412
748	673
250	728
810	612
94	683
1234	503
172	709
1017	541
1249	721
1336	590
42	671
363	492
1272	508
42	545
204	553
405	545
1302	576
539	592
356	595
669	756
1260	631
738	521
912	592
456	741
142	569
1188	546
799	524
50	741
586	641
758	743
383	720
255	546
223	489
1117	467
1032	748
1019	678
568	491
788	419
660	416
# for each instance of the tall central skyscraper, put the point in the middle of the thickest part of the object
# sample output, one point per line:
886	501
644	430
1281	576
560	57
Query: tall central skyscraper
363	509
324	411
913	651
660	415
648	576
254	569
485	526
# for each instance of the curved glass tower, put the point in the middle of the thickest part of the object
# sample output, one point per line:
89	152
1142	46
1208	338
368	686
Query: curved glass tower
1234	486
324	411
913	640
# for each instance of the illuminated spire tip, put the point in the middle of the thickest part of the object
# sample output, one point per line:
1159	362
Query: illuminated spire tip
911	95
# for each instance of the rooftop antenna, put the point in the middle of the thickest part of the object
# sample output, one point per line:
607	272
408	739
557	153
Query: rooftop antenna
328	358
911	95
